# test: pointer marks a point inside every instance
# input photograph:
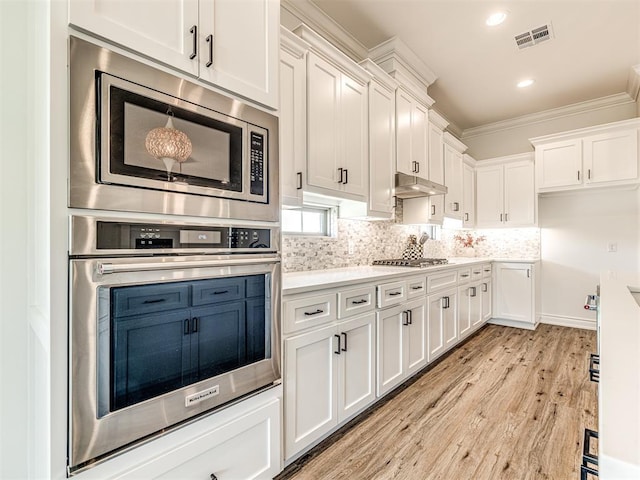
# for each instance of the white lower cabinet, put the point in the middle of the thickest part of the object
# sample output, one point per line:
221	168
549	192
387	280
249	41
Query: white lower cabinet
241	441
329	376
402	348
487	301
442	321
516	294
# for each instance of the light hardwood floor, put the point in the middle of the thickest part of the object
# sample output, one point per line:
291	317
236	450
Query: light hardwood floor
508	404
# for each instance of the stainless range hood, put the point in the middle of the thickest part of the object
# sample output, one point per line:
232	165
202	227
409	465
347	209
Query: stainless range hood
410	186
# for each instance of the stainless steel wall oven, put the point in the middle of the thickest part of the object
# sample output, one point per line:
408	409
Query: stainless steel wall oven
168	321
143	140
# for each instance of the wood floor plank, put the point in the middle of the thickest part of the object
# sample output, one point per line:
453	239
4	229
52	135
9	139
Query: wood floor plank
508	404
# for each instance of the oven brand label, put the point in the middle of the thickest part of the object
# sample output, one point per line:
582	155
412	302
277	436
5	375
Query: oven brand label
201	396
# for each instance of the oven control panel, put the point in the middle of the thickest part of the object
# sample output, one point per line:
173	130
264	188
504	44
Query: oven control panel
114	235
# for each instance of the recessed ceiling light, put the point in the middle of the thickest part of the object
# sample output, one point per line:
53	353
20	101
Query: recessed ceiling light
525	83
496	18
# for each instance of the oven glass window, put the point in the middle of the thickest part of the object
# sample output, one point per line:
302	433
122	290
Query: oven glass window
216	158
166	336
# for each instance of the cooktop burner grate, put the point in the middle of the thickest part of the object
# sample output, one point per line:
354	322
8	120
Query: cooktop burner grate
418	262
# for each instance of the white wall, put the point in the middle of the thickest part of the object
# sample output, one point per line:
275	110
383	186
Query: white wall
575	232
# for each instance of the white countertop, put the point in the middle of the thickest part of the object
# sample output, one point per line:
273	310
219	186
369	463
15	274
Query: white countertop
619	387
301	282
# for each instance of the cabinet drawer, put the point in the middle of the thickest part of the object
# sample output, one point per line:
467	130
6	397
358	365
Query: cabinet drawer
391	293
464	275
305	312
442	280
218	290
136	300
476	272
354	301
416	287
486	270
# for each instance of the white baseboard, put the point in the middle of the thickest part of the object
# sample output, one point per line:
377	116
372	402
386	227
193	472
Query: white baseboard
512	323
573	322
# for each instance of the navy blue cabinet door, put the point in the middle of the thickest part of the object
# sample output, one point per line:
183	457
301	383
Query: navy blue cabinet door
150	354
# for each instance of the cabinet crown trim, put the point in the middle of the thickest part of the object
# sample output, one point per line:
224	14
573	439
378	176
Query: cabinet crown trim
292	43
379	74
438	120
520	157
396	50
452	141
328	51
469	160
582	132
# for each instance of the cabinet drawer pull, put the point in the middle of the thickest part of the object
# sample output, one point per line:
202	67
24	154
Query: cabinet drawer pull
346	176
194	51
464	275
445	302
299	186
393	294
344	334
405	318
589	174
433	209
416	287
500	217
209	40
308	314
466	217
194	325
187	330
337	352
359	302
485	287
456	206
410	317
221	292
472	291
578	175
506	217
155	300
340	174
213	477
528	273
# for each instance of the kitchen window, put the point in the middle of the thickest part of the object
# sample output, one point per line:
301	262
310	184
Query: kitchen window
308	220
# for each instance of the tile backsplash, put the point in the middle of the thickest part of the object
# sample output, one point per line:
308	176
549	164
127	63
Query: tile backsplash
387	239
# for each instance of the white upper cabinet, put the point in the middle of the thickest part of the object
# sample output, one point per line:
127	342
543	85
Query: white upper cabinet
468	192
505	193
453	150
293	118
412	141
382	141
337	121
231	44
606	155
437	124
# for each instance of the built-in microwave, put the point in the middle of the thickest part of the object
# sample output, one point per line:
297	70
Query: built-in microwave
144	140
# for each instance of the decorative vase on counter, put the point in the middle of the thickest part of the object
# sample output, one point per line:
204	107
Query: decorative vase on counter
468	252
413	250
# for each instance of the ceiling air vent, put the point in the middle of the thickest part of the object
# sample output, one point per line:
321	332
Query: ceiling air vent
534	36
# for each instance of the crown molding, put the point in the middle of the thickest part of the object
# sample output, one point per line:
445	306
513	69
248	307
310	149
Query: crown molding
292	43
395	53
325	49
452	141
633	83
469	160
437	119
551	114
518	157
582	132
309	13
379	74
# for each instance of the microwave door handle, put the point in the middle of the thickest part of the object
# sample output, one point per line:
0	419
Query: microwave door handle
104	268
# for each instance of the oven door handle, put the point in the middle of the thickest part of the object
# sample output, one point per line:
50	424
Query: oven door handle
105	268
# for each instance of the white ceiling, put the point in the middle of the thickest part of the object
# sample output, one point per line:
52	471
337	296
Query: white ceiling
595	45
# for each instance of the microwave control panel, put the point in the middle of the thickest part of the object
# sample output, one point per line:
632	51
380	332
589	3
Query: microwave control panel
257	164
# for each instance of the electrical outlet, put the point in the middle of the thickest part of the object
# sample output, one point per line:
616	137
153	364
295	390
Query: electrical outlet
612	247
350	247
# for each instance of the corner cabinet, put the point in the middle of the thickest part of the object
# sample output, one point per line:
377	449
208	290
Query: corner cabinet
505	192
516	300
293	118
337	121
601	156
232	45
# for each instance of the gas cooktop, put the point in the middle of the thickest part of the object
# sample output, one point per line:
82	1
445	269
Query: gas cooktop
418	262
